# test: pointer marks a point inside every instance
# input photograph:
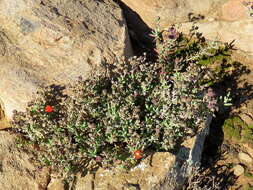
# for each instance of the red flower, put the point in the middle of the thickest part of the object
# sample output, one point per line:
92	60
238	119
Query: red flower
48	109
138	154
164	73
98	159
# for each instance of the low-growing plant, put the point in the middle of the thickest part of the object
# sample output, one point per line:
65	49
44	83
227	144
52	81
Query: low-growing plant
118	115
237	130
217	178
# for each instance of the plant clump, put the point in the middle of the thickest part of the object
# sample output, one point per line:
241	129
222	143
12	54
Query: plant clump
238	131
210	179
121	114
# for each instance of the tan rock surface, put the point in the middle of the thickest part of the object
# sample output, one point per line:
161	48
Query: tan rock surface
248	149
240	31
3	120
171	11
55	41
234	10
238	170
247	118
245	158
16	171
223	20
55	184
145	175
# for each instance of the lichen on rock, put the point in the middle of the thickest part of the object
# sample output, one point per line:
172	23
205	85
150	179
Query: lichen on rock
236	130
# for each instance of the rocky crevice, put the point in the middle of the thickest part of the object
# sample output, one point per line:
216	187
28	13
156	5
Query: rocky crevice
3	119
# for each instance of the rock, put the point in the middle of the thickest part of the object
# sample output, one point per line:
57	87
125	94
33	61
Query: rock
3	120
238	170
189	152
240	31
248	149
234	10
247	118
44	42
16	171
171	11
85	182
243	157
148	173
55	184
222	20
246	111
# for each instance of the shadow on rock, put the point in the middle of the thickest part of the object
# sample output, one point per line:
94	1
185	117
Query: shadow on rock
241	92
139	31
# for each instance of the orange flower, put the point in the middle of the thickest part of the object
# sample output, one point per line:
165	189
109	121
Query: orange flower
138	154
49	109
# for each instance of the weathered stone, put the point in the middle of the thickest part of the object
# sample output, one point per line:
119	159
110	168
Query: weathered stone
16	171
238	170
171	11
56	41
3	120
243	157
188	157
85	182
248	149
55	184
148	173
240	31
222	20
247	118
234	10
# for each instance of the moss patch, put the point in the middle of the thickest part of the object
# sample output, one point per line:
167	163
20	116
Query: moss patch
232	128
248	174
248	187
211	60
236	130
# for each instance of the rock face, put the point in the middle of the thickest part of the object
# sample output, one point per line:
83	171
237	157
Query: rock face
16	171
55	184
171	11
3	120
235	10
187	158
245	158
148	173
240	31
45	41
238	170
222	20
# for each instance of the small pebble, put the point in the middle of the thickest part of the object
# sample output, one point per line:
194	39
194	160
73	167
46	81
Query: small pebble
243	157
238	170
